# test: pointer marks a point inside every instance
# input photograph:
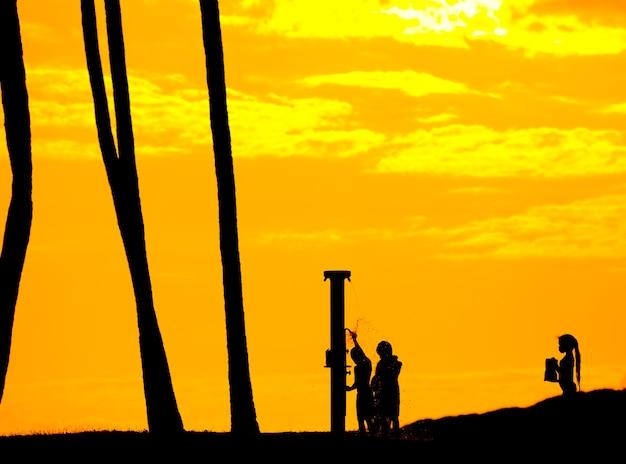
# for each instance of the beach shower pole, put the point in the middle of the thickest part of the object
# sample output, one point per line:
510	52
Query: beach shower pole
336	356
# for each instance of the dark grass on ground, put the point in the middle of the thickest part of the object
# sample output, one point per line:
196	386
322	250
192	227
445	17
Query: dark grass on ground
590	426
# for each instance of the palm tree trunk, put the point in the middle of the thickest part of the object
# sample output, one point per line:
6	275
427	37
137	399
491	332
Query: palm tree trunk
161	407
20	214
243	415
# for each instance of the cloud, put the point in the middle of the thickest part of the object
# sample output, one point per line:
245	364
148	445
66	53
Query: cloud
437	22
564	35
438	118
413	227
558	27
477	16
171	117
280	126
35	31
63	121
478	151
475	190
300	239
606	12
590	228
618	108
410	82
66	149
593	228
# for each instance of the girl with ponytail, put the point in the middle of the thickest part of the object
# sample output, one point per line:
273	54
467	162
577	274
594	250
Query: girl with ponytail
569	345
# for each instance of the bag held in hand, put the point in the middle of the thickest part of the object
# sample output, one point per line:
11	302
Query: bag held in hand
552	370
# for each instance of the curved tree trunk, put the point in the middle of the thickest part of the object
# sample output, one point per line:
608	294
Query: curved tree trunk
243	415
162	410
20	214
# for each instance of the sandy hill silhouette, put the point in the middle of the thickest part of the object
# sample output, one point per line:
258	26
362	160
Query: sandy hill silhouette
590	426
586	424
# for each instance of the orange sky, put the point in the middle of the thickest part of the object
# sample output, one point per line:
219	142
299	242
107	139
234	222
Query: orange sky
466	160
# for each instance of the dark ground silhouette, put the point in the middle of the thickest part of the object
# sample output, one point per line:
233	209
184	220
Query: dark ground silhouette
588	426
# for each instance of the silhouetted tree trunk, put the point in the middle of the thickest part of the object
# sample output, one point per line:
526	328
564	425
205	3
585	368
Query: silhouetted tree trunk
162	410
243	415
20	214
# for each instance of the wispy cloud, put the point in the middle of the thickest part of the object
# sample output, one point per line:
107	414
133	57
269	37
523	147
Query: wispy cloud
170	117
476	17
564	35
617	108
280	126
437	22
604	12
415	226
478	151
592	228
551	26
438	118
410	82
65	149
63	121
475	190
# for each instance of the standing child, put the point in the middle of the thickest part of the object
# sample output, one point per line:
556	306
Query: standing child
569	345
364	399
388	392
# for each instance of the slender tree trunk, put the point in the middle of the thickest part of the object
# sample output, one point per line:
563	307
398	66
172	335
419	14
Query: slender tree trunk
243	415
161	407
20	214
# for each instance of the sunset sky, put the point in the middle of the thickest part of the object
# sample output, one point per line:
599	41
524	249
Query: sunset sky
464	159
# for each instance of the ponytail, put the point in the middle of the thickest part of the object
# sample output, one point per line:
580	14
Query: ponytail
577	353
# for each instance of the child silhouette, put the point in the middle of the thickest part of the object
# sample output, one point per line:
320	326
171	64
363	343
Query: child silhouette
387	393
569	345
364	399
